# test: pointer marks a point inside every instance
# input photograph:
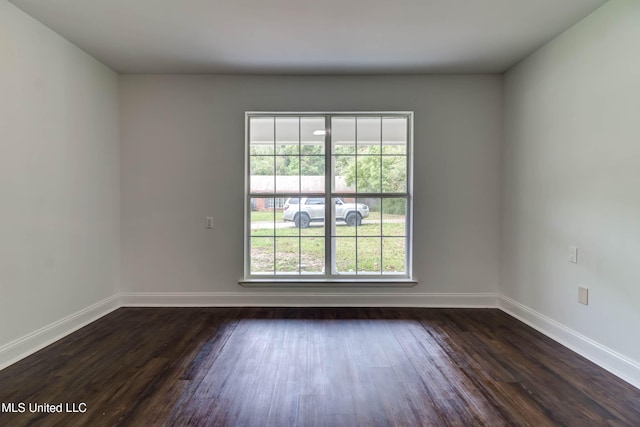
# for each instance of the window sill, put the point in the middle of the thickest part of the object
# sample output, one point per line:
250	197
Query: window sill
328	283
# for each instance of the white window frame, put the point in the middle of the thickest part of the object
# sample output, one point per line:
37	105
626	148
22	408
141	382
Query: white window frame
359	279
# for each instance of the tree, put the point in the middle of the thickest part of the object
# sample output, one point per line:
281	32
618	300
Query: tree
375	172
286	161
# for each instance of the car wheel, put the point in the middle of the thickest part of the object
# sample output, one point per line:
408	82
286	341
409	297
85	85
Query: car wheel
353	219
302	221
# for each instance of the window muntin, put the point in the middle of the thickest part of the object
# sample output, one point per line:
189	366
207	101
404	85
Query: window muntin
363	160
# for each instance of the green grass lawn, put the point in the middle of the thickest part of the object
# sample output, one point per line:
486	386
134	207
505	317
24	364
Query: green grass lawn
265	216
376	247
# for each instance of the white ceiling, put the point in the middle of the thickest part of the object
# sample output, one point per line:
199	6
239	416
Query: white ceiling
309	36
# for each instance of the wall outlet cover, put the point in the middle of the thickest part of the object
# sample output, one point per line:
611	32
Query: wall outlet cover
583	295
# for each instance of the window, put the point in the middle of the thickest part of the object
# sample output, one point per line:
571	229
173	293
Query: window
328	196
277	203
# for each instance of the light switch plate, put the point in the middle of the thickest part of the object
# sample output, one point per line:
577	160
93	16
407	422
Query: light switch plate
209	222
573	254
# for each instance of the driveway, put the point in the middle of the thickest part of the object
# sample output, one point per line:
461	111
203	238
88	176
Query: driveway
259	225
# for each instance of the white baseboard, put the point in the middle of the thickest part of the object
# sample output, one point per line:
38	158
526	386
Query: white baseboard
616	363
24	346
306	299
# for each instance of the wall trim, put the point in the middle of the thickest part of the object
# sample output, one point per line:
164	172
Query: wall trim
307	299
28	344
614	362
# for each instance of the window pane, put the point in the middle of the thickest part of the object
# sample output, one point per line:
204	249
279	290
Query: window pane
368	174
262	217
262	255
369	253
394	135
344	178
393	254
262	169
345	255
314	210
261	130
343	135
394	217
312	255
287	135
342	207
287	255
369	212
368	135
287	174
312	174
286	221
312	133
394	174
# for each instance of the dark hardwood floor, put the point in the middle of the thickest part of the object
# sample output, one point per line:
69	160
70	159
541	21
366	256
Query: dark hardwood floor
313	367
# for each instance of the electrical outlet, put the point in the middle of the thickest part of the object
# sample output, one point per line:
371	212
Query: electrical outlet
583	295
573	254
209	222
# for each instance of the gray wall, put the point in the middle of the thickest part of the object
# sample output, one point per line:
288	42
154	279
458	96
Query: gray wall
183	156
59	178
572	178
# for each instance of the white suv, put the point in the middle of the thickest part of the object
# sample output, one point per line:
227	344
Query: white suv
303	210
